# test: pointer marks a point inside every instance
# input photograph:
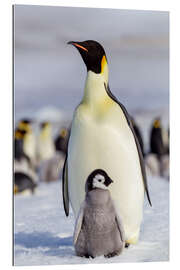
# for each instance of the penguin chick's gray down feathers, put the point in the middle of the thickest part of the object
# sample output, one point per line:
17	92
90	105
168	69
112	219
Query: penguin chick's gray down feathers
98	230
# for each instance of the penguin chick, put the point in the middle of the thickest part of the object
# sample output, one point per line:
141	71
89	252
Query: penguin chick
23	182
45	147
98	230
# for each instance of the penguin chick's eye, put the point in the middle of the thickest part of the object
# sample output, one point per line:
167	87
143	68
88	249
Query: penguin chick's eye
99	178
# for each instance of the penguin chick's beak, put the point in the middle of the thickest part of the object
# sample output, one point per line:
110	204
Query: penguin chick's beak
77	45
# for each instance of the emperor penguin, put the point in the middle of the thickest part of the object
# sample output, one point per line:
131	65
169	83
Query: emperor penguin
45	145
19	154
29	142
98	230
23	182
102	136
158	138
22	163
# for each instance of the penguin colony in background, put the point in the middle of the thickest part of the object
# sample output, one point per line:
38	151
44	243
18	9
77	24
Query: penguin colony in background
102	136
25	177
157	159
98	230
29	140
45	145
29	168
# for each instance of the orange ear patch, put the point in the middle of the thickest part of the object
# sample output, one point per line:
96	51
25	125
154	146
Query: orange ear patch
83	48
103	63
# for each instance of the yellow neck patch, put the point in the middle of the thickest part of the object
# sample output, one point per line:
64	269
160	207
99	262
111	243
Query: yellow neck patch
18	135
157	124
103	63
15	189
24	126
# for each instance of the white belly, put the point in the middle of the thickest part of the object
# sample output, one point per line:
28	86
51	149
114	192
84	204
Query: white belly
109	145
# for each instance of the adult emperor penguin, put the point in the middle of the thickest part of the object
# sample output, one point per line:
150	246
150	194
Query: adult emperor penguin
102	136
29	142
158	138
45	146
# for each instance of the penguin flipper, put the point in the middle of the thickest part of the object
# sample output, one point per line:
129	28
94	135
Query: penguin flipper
65	188
141	159
119	224
79	222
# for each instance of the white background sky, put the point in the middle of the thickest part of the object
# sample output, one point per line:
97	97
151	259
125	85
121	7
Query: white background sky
50	72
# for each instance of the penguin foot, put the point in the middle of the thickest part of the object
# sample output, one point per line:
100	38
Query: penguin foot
110	255
127	245
88	256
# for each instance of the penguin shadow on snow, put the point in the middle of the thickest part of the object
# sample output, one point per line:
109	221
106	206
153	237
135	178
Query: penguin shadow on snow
57	245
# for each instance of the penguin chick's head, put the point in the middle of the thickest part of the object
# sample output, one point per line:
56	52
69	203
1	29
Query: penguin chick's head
92	54
98	179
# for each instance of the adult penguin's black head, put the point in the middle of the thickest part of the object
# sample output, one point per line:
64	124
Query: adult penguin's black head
92	53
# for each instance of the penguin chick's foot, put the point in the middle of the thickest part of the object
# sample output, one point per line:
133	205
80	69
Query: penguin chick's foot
88	256
127	245
110	255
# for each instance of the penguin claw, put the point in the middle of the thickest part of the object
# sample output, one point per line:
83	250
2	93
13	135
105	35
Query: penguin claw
88	256
110	255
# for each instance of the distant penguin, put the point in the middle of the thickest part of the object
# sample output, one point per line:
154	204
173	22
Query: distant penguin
23	182
138	135
61	141
152	164
22	163
156	139
165	138
45	145
18	146
29	142
98	230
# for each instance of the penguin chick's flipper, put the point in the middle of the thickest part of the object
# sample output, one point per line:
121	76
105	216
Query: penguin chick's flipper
141	159
65	188
119	225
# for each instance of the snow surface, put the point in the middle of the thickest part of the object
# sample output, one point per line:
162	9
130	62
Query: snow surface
43	234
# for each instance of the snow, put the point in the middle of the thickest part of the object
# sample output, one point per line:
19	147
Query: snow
43	234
